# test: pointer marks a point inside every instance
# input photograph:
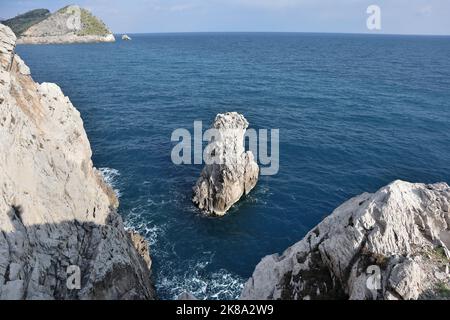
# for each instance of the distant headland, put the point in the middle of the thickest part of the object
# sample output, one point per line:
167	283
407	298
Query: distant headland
71	24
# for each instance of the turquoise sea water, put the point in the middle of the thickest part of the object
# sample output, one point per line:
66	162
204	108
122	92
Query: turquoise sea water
354	111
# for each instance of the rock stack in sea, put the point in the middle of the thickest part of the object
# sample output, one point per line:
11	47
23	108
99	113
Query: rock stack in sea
57	215
233	173
393	244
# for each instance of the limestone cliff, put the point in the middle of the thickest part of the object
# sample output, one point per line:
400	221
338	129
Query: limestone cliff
231	172
70	24
393	244
56	211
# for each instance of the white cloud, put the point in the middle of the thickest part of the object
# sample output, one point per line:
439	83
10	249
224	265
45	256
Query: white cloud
270	4
182	7
171	6
425	11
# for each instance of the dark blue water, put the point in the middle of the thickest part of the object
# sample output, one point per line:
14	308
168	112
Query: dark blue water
354	112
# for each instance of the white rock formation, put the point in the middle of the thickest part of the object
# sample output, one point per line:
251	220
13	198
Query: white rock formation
234	171
70	24
55	209
126	37
402	230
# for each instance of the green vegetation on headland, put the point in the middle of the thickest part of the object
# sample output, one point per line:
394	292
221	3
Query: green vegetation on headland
63	9
443	290
91	25
21	23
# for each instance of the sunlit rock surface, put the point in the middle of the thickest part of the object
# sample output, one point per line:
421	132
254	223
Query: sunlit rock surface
393	244
56	210
224	182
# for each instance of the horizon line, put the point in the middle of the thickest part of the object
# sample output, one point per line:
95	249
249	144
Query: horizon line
303	32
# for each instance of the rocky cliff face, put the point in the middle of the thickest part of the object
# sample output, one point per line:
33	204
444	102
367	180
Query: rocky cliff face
232	172
393	244
70	24
57	215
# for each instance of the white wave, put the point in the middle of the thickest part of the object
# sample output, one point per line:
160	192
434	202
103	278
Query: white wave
204	285
194	275
110	176
150	233
147	229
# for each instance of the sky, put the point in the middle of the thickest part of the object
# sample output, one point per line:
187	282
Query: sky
335	16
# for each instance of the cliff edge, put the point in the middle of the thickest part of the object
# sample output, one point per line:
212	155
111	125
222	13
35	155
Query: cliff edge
390	245
60	234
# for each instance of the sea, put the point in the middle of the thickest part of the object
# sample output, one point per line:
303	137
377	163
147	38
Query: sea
354	113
